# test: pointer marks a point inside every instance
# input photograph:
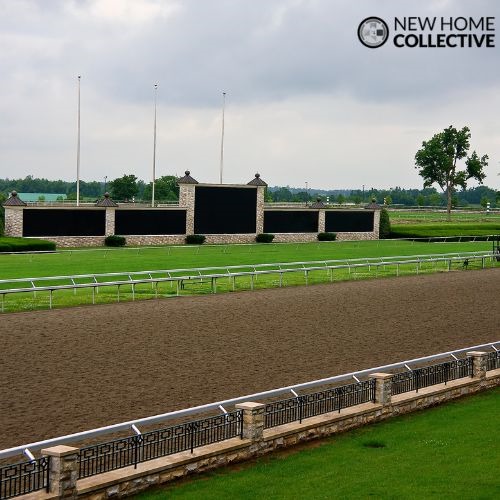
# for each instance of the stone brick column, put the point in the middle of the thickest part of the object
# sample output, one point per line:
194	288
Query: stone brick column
383	387
253	420
478	363
110	221
376	224
186	200
260	209
13	221
321	221
63	472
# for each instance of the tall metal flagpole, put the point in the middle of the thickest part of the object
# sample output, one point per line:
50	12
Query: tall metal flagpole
78	150
154	152
222	137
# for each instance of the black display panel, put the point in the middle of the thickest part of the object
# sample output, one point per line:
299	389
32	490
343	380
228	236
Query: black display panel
348	221
225	210
154	221
290	221
63	222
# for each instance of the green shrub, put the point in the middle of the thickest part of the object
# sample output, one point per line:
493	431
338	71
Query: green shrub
26	245
115	241
264	238
327	236
195	239
385	224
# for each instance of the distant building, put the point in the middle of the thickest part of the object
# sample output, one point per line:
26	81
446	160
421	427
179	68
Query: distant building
42	196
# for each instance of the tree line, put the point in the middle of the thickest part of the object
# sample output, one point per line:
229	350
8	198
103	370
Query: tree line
130	188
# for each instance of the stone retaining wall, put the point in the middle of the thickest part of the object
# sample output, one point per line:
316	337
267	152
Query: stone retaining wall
257	440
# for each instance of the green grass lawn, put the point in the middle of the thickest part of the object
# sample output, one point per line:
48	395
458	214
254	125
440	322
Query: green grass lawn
423	230
148	258
417	216
102	260
421	224
450	451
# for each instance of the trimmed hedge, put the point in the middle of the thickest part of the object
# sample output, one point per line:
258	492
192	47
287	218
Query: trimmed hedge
9	244
115	241
264	238
327	236
195	239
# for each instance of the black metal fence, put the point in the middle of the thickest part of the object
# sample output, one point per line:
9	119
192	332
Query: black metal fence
132	450
24	477
493	361
431	375
317	403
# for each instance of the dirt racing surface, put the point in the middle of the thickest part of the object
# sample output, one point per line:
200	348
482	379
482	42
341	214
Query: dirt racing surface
70	370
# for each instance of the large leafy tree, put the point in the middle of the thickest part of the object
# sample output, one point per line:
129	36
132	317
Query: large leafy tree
124	188
166	189
437	162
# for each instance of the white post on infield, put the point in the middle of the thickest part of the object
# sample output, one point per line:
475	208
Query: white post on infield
222	138
154	150
78	149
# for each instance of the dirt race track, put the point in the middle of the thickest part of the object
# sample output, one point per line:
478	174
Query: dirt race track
69	370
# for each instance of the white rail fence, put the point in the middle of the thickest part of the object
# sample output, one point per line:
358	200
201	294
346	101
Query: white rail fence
258	270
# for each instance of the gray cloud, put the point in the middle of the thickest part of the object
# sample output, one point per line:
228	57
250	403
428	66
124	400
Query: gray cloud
303	94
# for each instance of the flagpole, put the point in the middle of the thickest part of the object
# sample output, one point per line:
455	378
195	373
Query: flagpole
154	151
78	150
222	137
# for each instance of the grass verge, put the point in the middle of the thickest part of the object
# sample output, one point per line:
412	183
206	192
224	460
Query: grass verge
445	452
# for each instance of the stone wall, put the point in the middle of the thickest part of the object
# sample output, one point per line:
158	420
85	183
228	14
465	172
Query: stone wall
13	221
186	200
257	440
14	227
260	210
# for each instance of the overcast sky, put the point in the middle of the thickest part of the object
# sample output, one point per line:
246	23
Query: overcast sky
306	102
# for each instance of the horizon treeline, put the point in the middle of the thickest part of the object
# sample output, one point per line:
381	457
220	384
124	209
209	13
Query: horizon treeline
480	195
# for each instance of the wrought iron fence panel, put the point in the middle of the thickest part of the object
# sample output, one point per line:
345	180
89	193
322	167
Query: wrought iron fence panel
317	403
24	477
132	450
493	360
431	375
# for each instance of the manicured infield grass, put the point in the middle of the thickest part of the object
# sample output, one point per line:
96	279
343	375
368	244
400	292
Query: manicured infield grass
450	451
424	217
102	260
73	262
444	229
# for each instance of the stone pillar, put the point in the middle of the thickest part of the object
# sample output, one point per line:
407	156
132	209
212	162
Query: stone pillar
321	221
260	210
186	200
13	221
63	472
383	387
110	221
253	420
376	224
478	363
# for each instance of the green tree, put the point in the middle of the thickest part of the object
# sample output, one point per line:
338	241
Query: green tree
385	224
124	188
437	162
166	189
420	200
484	201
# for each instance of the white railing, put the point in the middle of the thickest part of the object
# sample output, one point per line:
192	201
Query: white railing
275	265
180	281
127	426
